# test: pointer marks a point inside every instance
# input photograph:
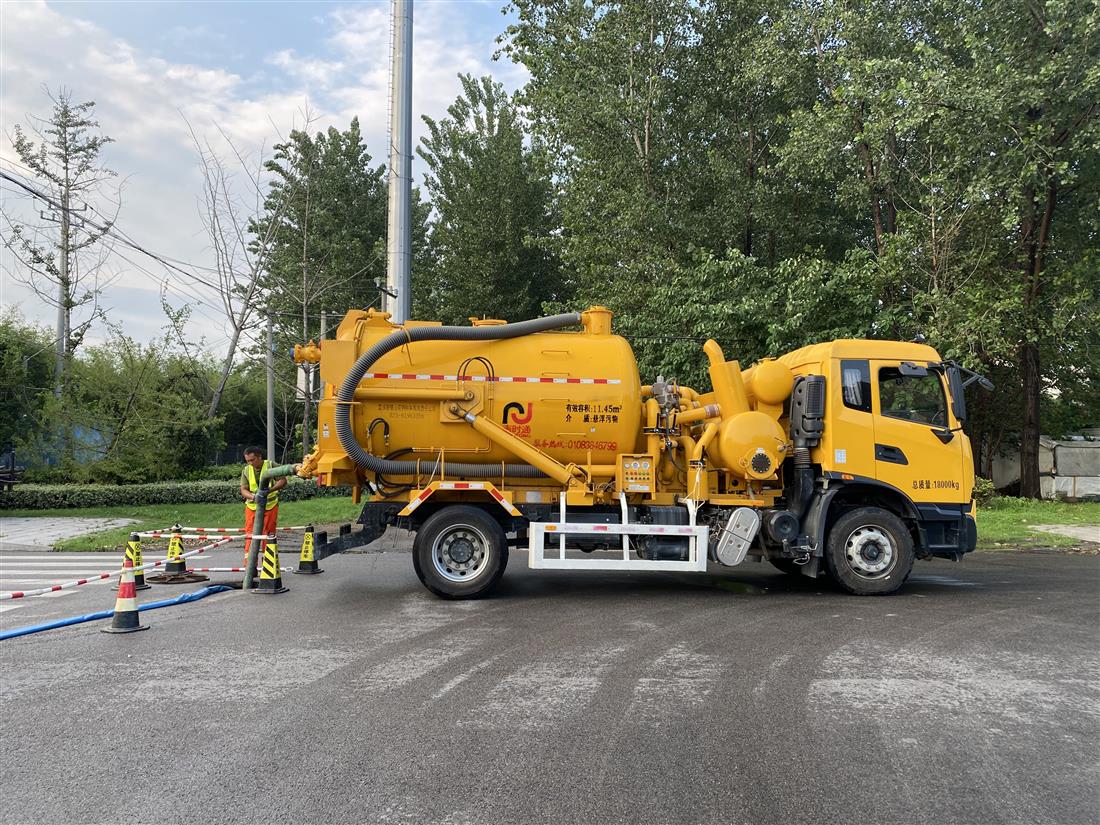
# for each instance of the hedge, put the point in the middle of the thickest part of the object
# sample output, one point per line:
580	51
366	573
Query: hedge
65	496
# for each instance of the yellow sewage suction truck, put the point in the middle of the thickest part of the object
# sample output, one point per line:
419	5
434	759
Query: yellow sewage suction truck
845	457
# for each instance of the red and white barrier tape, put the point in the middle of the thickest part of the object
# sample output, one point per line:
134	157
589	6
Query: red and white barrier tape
201	536
226	529
226	570
197	536
20	594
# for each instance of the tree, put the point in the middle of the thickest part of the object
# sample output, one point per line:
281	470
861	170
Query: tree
327	207
325	210
1038	95
909	167
239	261
26	373
604	99
493	211
141	411
63	259
969	132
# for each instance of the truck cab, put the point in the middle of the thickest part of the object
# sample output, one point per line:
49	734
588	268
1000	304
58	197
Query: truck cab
892	449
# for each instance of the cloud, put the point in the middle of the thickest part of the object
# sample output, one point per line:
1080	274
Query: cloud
145	102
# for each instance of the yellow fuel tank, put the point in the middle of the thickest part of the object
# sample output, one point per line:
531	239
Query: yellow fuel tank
567	393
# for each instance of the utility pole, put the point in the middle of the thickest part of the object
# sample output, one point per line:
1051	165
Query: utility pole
318	385
62	295
399	230
270	388
307	373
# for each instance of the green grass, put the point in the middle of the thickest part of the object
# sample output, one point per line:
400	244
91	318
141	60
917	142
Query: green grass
157	516
1006	522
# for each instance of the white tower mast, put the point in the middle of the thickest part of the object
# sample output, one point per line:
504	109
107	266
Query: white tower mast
399	230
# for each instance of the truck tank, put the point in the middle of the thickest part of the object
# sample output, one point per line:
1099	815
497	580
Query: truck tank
566	393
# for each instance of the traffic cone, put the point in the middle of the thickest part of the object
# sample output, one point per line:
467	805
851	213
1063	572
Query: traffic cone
133	553
271	581
175	564
126	613
175	567
306	562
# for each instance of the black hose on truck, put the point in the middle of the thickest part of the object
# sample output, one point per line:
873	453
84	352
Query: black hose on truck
398	338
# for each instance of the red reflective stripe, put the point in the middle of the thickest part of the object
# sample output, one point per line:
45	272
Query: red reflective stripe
425	494
600	527
404	376
461	485
496	495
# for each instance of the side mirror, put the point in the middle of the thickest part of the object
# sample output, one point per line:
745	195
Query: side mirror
943	434
958	393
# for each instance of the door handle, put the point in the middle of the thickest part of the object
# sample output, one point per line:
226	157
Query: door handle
884	452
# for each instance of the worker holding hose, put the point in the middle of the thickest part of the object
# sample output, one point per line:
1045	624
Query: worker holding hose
256	465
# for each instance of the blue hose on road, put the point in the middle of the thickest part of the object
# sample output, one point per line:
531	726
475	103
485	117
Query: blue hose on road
106	614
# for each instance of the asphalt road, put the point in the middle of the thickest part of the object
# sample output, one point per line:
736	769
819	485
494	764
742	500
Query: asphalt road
736	697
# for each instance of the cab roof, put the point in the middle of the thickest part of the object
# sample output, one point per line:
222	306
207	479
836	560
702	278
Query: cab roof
860	348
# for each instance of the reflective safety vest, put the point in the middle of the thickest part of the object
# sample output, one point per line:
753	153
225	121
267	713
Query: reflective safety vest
254	485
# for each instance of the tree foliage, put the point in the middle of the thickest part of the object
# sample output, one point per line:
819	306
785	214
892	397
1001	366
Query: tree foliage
61	253
779	174
492	202
329	206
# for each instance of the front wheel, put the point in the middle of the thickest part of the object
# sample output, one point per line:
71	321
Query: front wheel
869	552
460	552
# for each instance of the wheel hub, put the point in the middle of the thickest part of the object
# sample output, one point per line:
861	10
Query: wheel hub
869	551
460	553
461	550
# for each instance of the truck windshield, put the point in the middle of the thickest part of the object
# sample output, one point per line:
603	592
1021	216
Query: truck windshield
912	398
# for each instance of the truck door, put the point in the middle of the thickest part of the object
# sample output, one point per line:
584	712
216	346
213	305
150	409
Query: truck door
909	404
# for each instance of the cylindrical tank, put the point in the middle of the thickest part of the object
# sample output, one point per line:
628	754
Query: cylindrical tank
565	393
750	445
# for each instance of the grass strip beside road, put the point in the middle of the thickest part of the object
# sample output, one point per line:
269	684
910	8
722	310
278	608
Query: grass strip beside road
1007	522
157	516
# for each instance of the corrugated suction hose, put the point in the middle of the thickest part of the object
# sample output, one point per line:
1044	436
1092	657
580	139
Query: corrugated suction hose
399	338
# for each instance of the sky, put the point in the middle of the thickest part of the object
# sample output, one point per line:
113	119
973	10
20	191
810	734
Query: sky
248	69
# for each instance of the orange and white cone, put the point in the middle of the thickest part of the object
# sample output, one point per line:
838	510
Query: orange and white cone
126	613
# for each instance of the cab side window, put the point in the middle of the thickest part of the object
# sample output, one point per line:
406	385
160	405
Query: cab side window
855	382
916	398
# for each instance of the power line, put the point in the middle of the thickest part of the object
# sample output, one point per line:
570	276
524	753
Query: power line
110	229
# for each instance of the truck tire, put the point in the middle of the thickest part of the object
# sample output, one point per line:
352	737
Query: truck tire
460	552
869	552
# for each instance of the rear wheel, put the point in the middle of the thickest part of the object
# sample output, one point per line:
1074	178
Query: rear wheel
460	552
869	552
